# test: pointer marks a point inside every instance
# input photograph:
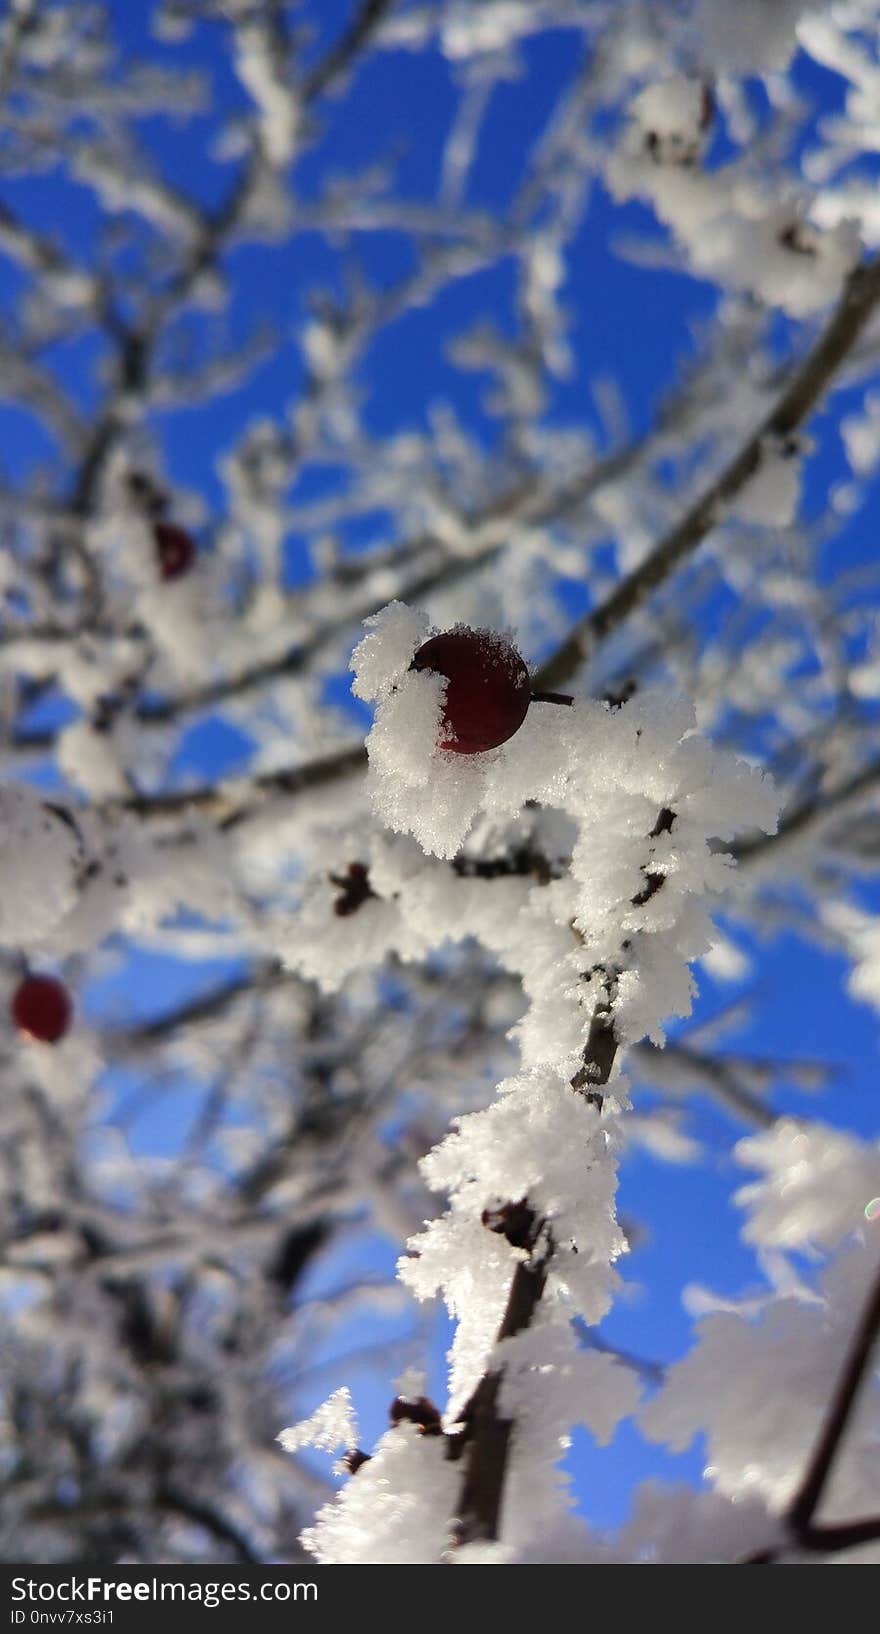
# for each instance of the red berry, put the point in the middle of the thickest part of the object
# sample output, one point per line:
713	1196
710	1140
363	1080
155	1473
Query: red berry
41	1008
175	549
488	692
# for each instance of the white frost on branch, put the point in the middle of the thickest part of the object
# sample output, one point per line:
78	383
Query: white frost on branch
332	1425
815	1184
394	1511
752	35
860	934
587	938
40	854
779	1365
771	497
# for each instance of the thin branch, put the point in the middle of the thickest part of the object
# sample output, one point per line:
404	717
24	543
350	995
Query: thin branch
206	1007
294	780
856	305
645	1367
220	803
203	1514
341	55
816	810
798	1519
19	22
809	1495
720	1075
848	1535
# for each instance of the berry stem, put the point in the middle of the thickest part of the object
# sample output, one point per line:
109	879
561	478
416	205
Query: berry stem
551	698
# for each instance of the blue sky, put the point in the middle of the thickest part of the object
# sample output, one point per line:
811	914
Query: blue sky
629	322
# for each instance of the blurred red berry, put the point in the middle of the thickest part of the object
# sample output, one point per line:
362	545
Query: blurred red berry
175	549
41	1008
488	693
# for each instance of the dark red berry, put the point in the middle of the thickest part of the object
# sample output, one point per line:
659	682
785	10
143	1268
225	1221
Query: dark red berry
175	549
41	1008
488	692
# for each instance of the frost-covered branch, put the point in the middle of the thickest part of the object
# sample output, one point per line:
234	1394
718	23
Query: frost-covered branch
828	355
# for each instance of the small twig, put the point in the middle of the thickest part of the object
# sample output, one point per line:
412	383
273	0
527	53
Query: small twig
343	53
798	1520
204	1007
209	1519
646	1368
521	863
809	1496
723	1081
857	302
815	810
